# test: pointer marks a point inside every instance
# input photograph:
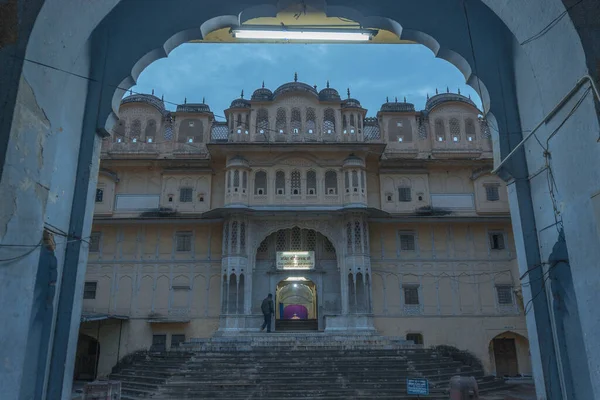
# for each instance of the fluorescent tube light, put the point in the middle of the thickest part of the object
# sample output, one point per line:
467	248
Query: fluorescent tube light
303	34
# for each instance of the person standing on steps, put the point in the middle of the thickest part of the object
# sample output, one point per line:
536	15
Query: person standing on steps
268	310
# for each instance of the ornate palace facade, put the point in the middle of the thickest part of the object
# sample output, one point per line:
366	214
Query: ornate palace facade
402	226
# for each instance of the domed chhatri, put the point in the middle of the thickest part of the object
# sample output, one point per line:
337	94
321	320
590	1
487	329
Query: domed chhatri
295	86
241	102
440	98
148	99
329	94
262	94
194	107
350	102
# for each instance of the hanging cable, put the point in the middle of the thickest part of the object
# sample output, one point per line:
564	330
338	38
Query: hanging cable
551	25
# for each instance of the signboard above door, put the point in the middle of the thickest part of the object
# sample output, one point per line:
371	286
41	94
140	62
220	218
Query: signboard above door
295	260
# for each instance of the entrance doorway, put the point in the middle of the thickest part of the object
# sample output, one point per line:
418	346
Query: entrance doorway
505	354
86	361
296	305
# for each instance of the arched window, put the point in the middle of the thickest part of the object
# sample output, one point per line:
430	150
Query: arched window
296	183
362	181
236	178
329	121
136	128
331	182
440	130
243	237
311	121
280	183
349	236
247	124
455	130
228	179
296	121
296	239
239	121
281	121
352	124
470	129
150	131
262	121
399	130
347	181
260	183
244	180
311	182
357	236
355	180
344	123
119	129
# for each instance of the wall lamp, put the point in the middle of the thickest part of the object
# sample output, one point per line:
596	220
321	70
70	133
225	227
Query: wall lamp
303	33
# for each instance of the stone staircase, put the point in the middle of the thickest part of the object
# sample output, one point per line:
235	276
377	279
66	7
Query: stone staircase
292	366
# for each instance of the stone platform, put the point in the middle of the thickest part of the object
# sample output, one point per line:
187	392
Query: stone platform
292	366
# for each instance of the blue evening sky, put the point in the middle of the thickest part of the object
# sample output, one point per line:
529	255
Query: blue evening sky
219	72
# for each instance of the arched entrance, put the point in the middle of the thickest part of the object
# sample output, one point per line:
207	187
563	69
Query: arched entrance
296	305
299	266
86	360
509	353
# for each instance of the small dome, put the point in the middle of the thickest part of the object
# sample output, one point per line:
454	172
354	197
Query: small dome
148	99
353	161
351	103
291	87
237	161
262	94
240	103
447	97
193	108
329	94
397	106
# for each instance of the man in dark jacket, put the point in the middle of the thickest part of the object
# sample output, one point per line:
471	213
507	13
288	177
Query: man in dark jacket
267	310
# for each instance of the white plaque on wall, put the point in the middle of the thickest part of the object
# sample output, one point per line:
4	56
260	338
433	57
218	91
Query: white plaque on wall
288	260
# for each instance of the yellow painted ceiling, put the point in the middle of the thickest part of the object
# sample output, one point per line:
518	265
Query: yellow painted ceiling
304	19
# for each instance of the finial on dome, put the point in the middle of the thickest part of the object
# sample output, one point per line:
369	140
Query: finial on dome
396	99
427	96
185	101
242	95
130	92
405	99
152	92
295	77
162	97
436	91
458	90
263	84
469	96
315	86
203	100
348	91
327	83
387	99
447	89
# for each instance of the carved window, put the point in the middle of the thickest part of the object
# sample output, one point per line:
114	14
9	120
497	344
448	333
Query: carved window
280	183
365	235
264	247
89	290
229	179
311	182
260	183
296	121
357	235
404	194
407	242
244	180
411	295
329	121
416	338
311	240
234	236
136	128
281	244
455	130
486	133
492	192
359	122
440	130
329	248
347	181
331	182
311	121
94	245
281	121
355	180
247	124
236	179
226	235
239	121
470	129
296	239
243	237
150	128
185	195
505	294
352	124
349	236
262	121
296	182
362	181
183	241
344	123
99	195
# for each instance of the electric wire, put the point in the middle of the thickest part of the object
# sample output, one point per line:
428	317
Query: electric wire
550	25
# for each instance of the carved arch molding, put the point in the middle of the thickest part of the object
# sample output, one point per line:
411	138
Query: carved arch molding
261	229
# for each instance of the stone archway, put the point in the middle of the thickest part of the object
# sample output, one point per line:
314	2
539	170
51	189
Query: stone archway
510	355
87	358
512	44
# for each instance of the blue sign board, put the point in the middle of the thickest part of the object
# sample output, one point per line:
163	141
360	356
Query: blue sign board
416	386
